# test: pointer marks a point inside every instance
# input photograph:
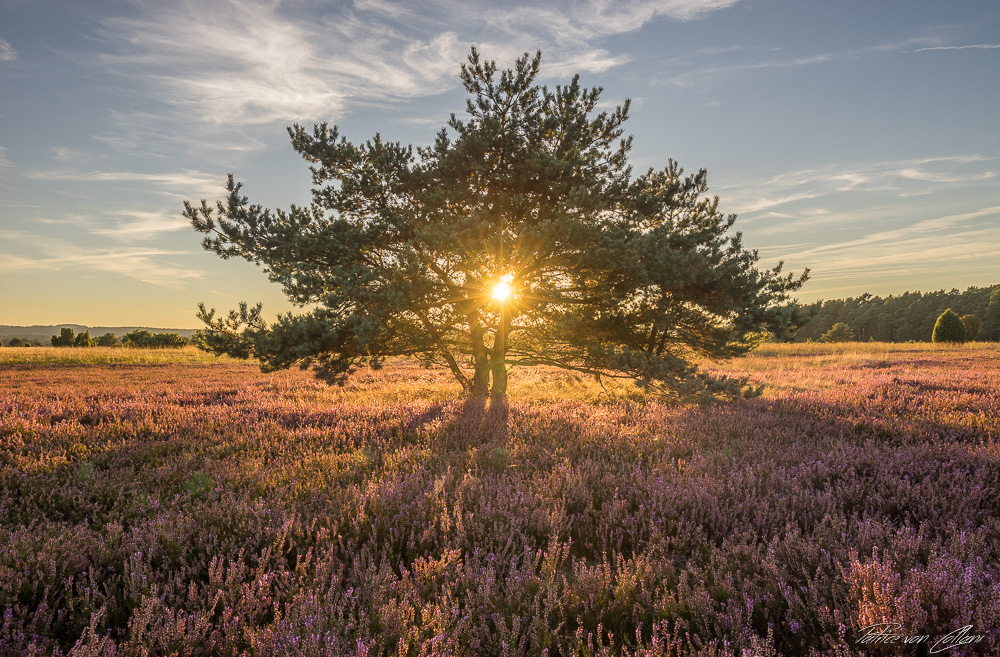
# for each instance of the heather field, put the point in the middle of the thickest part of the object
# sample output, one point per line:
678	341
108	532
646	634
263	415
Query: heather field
171	503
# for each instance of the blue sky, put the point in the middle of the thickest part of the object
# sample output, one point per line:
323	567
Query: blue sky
859	139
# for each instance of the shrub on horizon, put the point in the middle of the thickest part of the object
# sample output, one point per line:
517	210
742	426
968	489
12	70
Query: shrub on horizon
840	332
66	338
948	328
21	342
148	339
108	340
84	340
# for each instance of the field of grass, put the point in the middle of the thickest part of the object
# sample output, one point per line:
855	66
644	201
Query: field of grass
173	503
104	356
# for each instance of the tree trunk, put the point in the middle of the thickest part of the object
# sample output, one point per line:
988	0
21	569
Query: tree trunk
499	366
480	362
499	390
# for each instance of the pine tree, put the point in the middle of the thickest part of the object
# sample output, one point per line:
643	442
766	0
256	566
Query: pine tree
519	237
66	337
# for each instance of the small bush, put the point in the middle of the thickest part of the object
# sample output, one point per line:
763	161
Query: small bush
948	328
840	332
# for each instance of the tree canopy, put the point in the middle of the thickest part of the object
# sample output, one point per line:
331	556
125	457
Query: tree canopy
519	237
909	316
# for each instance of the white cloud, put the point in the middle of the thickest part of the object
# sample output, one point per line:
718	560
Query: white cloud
902	220
4	162
242	62
573	22
131	225
7	52
978	46
897	179
143	264
180	184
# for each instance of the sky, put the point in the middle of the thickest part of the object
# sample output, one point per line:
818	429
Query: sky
860	139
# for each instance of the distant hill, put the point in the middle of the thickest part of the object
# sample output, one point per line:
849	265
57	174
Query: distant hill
44	333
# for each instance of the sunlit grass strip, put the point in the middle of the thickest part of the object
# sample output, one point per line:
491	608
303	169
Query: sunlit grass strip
105	356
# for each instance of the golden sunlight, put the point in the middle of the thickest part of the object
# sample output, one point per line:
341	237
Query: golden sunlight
502	291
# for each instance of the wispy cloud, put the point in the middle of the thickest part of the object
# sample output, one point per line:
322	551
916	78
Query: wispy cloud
978	46
148	265
132	225
180	184
7	52
893	179
4	162
242	62
63	154
738	60
572	22
879	220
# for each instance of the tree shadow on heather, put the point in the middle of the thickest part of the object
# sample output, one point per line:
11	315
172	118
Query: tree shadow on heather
483	421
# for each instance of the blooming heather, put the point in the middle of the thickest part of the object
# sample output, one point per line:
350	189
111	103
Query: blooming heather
194	508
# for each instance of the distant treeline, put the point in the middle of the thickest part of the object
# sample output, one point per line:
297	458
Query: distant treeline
904	318
69	338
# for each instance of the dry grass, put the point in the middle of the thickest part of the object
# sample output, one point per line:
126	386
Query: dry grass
105	356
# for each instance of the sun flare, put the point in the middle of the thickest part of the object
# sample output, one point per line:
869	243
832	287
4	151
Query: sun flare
502	291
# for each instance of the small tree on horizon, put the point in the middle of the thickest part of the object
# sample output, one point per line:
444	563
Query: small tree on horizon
519	237
973	325
948	328
66	337
109	339
83	340
840	332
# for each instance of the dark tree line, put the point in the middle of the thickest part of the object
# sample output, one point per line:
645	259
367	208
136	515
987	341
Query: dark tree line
908	316
67	338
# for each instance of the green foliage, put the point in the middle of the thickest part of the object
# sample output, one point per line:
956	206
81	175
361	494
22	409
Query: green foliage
948	328
108	340
613	274
973	325
903	318
83	340
21	342
991	317
66	338
147	339
839	333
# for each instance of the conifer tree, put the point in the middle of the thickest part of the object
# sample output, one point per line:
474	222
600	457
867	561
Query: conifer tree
519	237
972	326
66	337
948	328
